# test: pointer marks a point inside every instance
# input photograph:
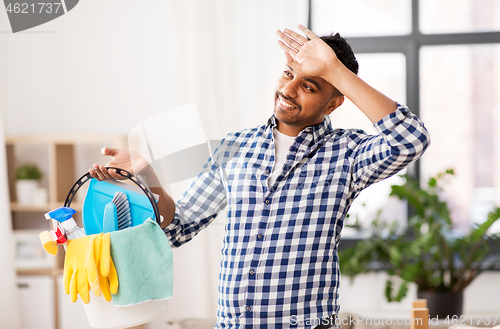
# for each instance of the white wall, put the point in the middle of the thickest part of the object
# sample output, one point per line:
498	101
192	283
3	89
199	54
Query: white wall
107	65
10	314
9	300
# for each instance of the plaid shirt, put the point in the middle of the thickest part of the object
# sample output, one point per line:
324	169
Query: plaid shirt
280	262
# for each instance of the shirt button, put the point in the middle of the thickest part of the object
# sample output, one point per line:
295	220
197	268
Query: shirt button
252	272
267	201
248	308
259	236
267	171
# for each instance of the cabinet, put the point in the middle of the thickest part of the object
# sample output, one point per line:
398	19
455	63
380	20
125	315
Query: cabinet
62	159
36	296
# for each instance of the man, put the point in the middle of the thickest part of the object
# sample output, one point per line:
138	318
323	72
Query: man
288	186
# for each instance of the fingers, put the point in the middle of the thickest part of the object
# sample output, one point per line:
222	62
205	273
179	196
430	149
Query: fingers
82	286
288	42
300	38
115	175
109	285
103	282
307	32
73	289
110	151
68	274
105	257
79	285
108	278
81	267
92	276
289	58
94	283
291	42
97	248
294	40
100	173
289	52
113	278
96	288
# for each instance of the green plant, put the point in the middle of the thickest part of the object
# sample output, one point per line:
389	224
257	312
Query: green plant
28	171
426	252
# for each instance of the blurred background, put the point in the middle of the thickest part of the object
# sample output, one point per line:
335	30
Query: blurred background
89	78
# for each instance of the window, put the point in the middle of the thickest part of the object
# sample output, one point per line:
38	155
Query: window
448	54
460	104
373	13
454	16
374	69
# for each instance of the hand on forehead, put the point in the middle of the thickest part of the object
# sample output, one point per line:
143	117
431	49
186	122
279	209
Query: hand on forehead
313	55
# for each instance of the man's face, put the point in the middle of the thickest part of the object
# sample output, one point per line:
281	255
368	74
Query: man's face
302	101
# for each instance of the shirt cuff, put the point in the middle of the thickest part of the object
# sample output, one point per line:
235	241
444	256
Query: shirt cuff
170	230
389	123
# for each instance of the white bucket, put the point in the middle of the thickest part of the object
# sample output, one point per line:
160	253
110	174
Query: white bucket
103	315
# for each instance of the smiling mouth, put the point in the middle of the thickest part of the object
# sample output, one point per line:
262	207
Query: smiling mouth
285	104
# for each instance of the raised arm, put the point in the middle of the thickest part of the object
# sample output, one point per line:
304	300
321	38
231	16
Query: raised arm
402	137
318	59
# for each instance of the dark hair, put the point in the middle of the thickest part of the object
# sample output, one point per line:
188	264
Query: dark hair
342	50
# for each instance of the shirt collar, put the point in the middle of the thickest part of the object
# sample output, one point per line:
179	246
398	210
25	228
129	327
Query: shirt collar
317	131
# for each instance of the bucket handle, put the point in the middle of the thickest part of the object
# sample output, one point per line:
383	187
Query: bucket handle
123	173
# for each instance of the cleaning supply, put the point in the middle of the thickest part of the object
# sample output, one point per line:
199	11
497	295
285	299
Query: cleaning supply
88	259
144	263
123	210
64	215
88	264
104	315
80	267
108	278
50	239
110	218
48	243
58	235
100	194
117	213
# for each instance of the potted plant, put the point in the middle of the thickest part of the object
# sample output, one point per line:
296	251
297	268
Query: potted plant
27	177
426	252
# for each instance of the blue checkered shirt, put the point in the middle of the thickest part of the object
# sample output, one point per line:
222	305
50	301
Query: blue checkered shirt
280	262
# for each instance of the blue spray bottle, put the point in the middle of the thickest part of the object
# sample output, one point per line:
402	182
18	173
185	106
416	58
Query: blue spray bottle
64	216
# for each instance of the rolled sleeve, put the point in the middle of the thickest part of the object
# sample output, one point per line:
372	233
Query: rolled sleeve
404	132
402	139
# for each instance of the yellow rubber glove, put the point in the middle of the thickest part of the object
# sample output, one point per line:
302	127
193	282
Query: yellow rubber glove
108	278
80	267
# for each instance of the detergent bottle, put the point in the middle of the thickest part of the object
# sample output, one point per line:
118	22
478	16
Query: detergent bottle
64	216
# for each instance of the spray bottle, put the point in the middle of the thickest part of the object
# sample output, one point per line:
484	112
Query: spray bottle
64	216
64	228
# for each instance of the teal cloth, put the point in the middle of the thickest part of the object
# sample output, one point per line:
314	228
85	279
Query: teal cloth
144	264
